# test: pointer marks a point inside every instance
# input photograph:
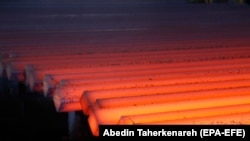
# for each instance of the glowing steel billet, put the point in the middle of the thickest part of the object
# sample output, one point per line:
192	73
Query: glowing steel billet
52	64
46	67
174	95
185	114
126	72
99	116
112	89
157	94
38	75
50	81
231	119
20	65
53	67
128	57
159	79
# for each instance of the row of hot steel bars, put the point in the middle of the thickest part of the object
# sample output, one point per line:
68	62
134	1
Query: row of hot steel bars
202	78
196	85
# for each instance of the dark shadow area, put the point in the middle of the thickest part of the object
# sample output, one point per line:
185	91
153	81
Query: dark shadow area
32	117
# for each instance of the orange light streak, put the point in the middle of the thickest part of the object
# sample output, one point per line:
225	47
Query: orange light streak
135	88
98	116
144	95
20	65
208	75
184	114
125	60
38	75
79	89
198	69
185	94
79	86
171	68
231	119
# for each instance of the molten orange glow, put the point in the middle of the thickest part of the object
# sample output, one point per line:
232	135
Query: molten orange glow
104	77
144	95
43	64
113	115
38	75
82	85
235	118
75	64
185	114
171	97
77	87
132	66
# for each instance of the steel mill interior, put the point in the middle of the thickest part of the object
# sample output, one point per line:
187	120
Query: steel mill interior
68	66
